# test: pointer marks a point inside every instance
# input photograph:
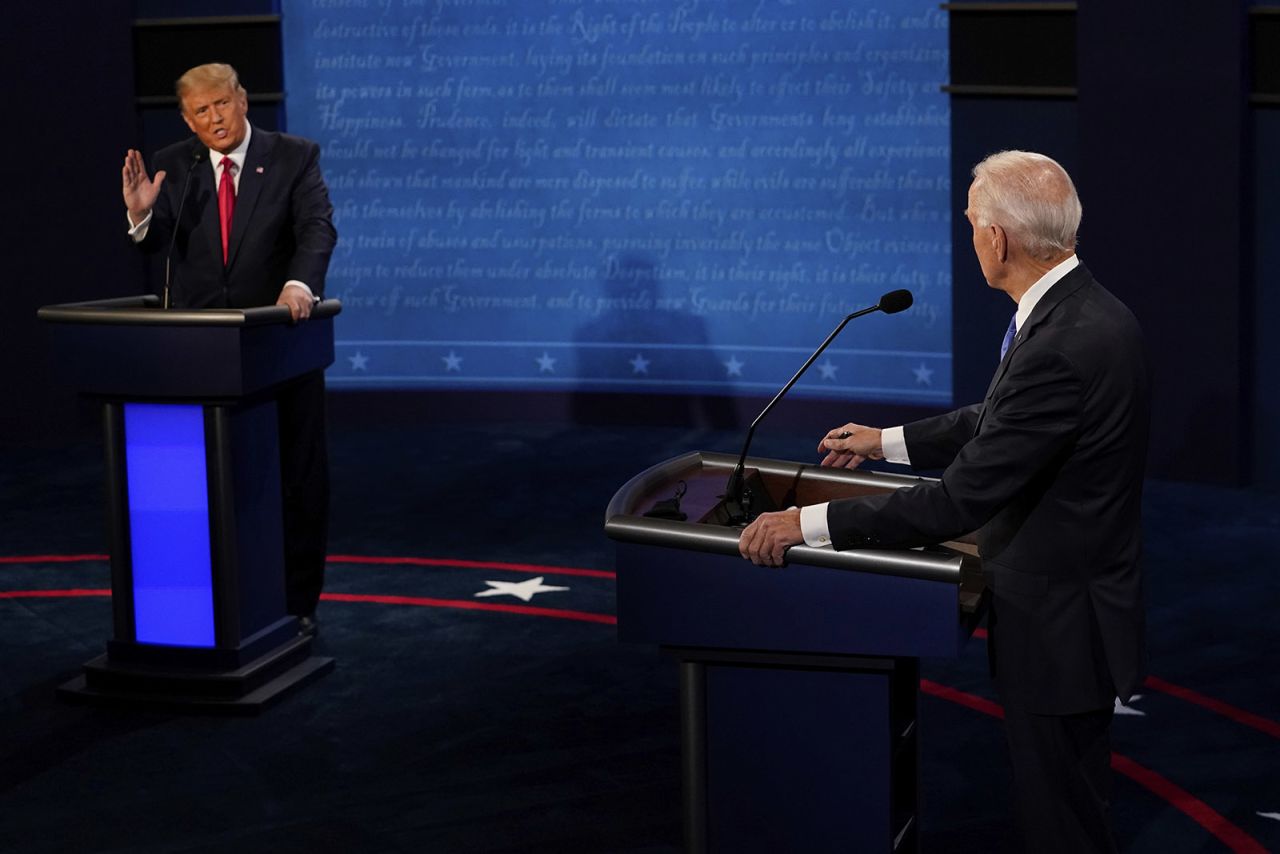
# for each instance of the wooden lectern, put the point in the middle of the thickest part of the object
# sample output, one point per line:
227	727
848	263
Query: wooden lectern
798	686
193	497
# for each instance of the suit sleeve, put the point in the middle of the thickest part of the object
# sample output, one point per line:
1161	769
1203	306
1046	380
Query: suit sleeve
313	231
1029	425
932	443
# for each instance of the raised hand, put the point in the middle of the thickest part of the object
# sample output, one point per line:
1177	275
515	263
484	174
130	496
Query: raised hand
139	191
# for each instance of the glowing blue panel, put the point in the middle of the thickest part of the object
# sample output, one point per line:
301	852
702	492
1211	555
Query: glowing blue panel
169	524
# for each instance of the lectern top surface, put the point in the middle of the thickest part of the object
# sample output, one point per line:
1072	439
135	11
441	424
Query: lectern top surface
132	349
781	483
146	311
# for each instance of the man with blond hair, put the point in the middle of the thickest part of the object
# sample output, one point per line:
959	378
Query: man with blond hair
1048	470
256	229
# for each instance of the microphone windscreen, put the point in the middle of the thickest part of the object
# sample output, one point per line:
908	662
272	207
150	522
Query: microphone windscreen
895	301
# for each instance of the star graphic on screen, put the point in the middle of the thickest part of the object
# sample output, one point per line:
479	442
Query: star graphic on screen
828	370
733	367
546	364
452	362
358	361
522	590
924	375
639	365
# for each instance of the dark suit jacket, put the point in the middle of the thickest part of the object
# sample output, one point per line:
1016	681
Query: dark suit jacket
282	228
1048	469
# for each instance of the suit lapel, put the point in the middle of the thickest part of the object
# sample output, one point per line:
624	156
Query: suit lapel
1062	289
252	177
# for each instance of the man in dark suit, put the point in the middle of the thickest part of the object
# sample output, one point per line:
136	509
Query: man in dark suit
1048	470
256	229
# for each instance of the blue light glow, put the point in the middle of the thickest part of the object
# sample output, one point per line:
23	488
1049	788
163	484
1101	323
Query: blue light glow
169	524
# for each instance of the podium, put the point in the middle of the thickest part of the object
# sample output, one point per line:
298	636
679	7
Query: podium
799	685
193	497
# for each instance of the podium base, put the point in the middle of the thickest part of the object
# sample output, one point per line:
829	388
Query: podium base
241	691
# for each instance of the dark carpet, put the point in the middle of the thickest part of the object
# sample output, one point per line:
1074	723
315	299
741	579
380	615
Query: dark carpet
444	729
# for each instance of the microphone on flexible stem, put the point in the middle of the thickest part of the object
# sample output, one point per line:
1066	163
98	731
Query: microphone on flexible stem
737	498
196	157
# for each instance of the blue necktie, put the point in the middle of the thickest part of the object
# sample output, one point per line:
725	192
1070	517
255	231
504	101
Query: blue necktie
1008	336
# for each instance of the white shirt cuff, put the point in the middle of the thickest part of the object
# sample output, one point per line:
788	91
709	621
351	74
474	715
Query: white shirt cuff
294	283
138	232
893	444
813	525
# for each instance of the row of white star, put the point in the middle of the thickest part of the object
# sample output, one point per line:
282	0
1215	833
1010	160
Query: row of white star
640	365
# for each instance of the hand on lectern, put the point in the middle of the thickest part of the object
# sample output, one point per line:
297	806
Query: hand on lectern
848	446
139	191
299	301
765	541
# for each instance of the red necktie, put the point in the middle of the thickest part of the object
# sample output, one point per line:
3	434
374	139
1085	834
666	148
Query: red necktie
226	202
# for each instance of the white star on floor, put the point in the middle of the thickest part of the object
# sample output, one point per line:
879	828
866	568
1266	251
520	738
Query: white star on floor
639	365
1122	709
452	362
924	375
734	367
828	370
522	590
358	361
546	364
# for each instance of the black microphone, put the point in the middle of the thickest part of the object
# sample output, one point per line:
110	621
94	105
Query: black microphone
737	498
196	159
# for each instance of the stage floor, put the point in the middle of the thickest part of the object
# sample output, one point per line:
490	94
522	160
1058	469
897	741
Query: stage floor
462	717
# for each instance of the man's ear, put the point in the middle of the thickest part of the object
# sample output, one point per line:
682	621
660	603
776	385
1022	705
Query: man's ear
999	243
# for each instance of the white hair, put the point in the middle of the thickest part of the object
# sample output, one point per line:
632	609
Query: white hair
1031	196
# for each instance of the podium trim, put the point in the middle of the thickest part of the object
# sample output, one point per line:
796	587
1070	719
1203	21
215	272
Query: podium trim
935	563
146	311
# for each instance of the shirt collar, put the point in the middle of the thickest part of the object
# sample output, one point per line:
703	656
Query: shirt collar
1041	287
237	154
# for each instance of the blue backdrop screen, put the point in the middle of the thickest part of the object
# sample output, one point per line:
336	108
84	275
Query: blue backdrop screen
665	195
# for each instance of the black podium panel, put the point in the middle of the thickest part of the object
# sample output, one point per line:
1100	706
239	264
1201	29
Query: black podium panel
760	797
799	685
681	598
131	348
193	497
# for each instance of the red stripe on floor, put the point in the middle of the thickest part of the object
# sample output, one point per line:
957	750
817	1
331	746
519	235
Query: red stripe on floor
1197	810
531	568
419	601
1189	805
1240	716
1227	710
50	594
473	564
52	558
466	605
1200	812
971	701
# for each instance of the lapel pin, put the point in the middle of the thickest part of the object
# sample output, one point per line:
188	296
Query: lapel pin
258	170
